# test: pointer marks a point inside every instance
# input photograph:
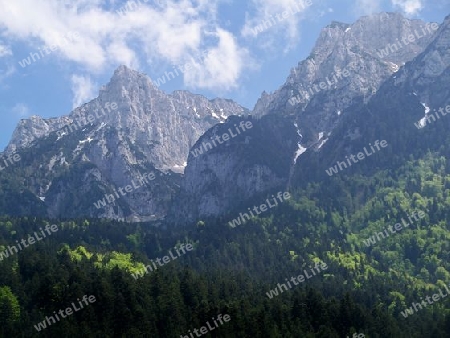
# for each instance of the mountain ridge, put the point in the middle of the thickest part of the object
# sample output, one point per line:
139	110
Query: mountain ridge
151	131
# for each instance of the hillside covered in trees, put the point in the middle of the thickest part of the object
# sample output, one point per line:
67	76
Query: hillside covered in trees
231	270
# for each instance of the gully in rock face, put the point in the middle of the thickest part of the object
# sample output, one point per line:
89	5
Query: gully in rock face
430	117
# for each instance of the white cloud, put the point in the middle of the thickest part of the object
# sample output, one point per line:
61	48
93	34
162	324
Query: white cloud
120	51
83	90
220	67
410	7
269	14
21	110
172	31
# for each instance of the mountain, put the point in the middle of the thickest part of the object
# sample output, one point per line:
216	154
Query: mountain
343	256
133	129
408	111
333	123
130	129
143	112
348	63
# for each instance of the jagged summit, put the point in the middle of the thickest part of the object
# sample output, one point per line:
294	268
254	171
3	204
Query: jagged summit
124	69
125	74
146	129
361	50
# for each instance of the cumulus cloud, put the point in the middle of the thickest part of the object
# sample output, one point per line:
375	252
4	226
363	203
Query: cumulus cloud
409	7
220	67
83	89
110	34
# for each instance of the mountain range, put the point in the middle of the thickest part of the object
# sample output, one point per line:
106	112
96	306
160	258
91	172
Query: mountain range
362	82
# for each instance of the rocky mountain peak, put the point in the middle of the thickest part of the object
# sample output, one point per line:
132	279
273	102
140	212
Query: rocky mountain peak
349	62
132	127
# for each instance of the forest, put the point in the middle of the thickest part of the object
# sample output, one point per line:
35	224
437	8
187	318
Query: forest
230	269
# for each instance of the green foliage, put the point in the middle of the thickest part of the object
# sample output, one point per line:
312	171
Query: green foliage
9	310
9	306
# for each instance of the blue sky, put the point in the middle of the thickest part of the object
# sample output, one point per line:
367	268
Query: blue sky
86	40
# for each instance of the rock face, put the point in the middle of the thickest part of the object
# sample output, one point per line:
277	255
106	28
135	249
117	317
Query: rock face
165	126
347	64
223	178
135	128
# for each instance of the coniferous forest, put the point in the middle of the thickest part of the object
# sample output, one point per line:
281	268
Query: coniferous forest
231	270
